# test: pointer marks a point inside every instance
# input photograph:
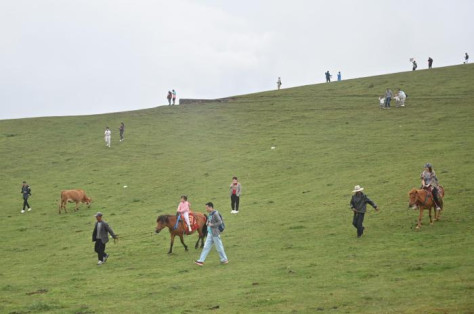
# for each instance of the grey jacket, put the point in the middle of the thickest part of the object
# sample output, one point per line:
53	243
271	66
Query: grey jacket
238	189
104	233
214	222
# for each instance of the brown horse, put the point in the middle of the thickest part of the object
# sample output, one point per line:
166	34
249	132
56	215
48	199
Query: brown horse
422	199
170	222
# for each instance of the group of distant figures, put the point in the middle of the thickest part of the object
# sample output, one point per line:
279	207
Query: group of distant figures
412	60
108	134
327	74
430	62
171	97
385	100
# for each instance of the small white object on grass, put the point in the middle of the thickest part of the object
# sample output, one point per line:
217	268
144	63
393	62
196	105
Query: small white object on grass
273	147
124	186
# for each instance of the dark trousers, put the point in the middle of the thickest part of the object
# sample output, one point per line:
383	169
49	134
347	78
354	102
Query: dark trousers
435	196
100	249
25	203
121	135
234	202
357	223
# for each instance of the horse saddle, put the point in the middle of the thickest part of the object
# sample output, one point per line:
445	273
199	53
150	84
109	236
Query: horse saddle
192	221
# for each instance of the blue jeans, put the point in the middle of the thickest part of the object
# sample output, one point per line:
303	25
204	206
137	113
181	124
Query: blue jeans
208	245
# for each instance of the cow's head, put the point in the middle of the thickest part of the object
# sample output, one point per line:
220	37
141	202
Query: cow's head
88	201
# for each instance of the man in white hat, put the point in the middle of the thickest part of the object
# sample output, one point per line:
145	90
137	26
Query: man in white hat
359	206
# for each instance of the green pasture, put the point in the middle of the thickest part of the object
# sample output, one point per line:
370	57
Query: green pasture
292	248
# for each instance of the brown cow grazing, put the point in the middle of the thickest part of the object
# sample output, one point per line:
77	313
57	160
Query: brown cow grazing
76	196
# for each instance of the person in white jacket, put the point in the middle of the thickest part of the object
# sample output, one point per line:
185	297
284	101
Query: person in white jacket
107	136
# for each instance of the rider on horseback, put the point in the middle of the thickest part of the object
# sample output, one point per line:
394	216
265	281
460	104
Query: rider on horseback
429	181
184	208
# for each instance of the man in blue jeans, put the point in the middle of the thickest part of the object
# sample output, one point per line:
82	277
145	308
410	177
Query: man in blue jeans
359	203
213	236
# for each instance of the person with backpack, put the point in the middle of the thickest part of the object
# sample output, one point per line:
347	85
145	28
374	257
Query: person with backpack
215	225
26	191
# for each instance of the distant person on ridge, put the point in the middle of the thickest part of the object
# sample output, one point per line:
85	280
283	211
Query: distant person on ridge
328	76
121	130
388	98
415	65
169	96
430	63
358	205
174	96
107	136
279	83
466	58
339	76
26	191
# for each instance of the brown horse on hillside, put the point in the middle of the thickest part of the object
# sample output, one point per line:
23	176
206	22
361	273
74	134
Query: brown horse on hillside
423	199
170	222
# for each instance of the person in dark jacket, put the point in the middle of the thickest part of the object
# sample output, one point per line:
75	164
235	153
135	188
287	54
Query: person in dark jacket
358	204
100	236
26	192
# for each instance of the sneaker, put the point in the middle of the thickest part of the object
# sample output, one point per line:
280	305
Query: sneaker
438	208
106	256
236	212
198	263
225	262
22	211
100	263
29	209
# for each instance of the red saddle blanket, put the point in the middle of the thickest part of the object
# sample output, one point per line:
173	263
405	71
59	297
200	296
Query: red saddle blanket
192	221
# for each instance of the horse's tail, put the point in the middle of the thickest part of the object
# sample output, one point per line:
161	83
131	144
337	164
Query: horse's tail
204	227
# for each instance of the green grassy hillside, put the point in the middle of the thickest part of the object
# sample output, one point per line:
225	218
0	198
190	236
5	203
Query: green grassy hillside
292	248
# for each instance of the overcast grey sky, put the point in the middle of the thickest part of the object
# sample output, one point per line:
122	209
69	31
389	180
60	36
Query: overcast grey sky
75	57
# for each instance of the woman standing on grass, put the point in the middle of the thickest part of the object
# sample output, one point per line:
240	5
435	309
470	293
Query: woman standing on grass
107	135
235	189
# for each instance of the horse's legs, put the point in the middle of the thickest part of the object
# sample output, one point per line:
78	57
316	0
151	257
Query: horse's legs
201	236
418	226
182	241
171	243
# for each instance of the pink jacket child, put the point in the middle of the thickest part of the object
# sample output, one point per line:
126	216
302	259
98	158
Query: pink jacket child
184	208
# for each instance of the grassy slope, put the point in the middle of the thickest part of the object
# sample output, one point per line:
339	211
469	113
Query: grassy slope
292	247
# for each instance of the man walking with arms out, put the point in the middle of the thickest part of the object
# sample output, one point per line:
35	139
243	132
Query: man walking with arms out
100	236
213	236
26	191
359	203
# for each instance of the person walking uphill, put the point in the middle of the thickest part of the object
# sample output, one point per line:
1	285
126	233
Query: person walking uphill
213	236
26	192
358	204
107	136
121	130
234	190
100	236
